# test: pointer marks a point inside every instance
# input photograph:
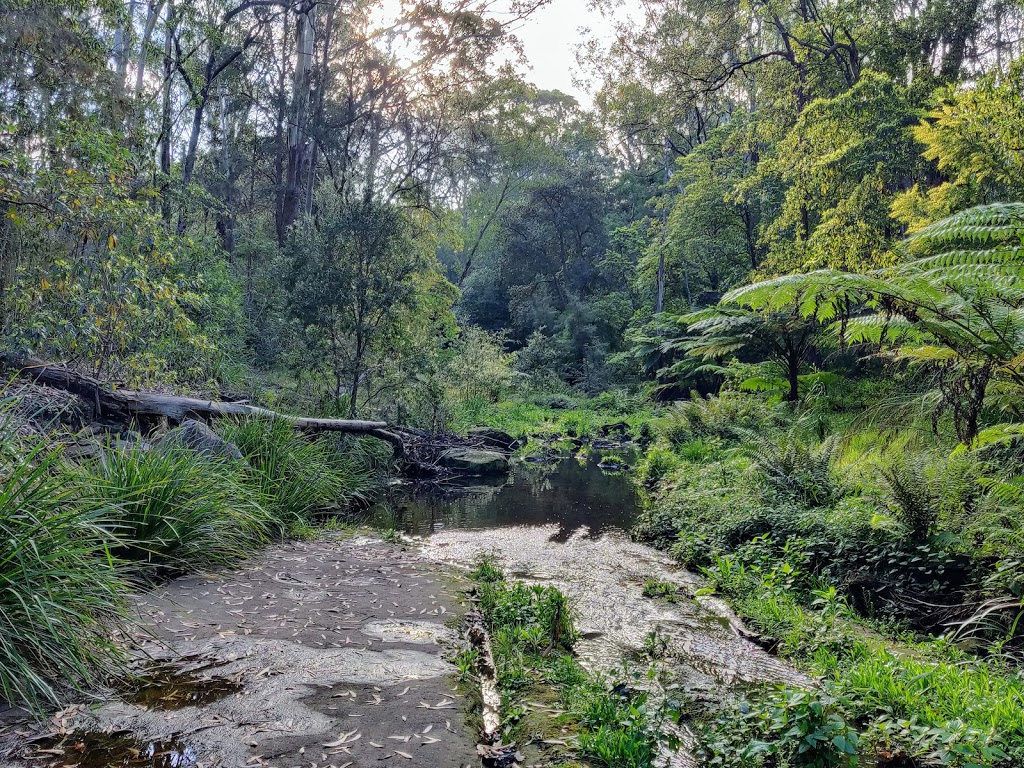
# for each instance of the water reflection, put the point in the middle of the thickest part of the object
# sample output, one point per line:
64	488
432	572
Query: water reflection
571	492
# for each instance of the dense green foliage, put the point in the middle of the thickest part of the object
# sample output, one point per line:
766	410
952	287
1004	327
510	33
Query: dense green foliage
838	538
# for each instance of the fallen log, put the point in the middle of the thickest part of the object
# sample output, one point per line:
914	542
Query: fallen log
131	404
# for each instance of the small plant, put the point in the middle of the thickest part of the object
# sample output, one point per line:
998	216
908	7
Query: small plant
663	589
656	645
797	468
295	475
786	727
466	661
487	571
617	730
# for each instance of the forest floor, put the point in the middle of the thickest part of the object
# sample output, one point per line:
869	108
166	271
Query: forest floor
321	653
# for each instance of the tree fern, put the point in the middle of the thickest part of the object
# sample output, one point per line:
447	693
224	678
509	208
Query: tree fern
954	303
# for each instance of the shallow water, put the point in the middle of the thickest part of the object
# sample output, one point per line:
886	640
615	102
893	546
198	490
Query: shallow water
180	684
94	749
572	493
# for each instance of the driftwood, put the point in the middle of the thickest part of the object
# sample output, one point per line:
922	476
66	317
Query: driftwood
140	406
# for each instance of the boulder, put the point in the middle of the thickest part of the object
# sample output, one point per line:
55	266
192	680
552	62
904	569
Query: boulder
493	438
197	436
473	461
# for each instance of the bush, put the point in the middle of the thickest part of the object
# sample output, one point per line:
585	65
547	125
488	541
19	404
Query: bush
727	417
787	727
796	468
59	590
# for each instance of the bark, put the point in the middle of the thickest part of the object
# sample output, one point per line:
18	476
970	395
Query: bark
165	117
226	218
323	83
140	65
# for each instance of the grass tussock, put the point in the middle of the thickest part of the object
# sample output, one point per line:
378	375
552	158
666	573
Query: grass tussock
532	635
60	590
296	476
173	508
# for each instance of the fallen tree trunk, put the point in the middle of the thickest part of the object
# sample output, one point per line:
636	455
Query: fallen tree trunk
155	406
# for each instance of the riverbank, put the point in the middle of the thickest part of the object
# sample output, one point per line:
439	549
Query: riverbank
688	654
878	563
882	562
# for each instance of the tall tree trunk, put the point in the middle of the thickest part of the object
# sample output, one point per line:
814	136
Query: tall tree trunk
226	215
121	40
165	118
280	150
956	38
660	303
323	83
299	113
152	14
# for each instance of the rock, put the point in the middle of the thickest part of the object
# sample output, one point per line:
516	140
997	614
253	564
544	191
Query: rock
198	437
499	756
619	428
493	438
473	461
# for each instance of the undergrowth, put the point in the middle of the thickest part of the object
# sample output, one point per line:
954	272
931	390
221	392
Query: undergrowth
852	548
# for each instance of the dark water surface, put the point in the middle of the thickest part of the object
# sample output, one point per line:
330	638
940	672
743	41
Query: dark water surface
571	492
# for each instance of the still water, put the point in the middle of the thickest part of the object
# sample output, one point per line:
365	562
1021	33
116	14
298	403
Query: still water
572	493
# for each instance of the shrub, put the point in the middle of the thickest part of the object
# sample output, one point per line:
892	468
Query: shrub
799	469
59	590
727	417
786	727
657	462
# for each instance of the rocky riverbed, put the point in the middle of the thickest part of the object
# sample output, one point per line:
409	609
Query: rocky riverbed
317	654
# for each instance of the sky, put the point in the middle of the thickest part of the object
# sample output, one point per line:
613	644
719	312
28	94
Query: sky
550	38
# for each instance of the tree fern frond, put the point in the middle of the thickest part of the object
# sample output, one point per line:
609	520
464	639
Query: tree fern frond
982	224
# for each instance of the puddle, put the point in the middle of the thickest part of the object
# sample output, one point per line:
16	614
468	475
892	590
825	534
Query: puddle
169	686
571	492
110	750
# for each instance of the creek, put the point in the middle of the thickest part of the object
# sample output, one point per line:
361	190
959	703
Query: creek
253	666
